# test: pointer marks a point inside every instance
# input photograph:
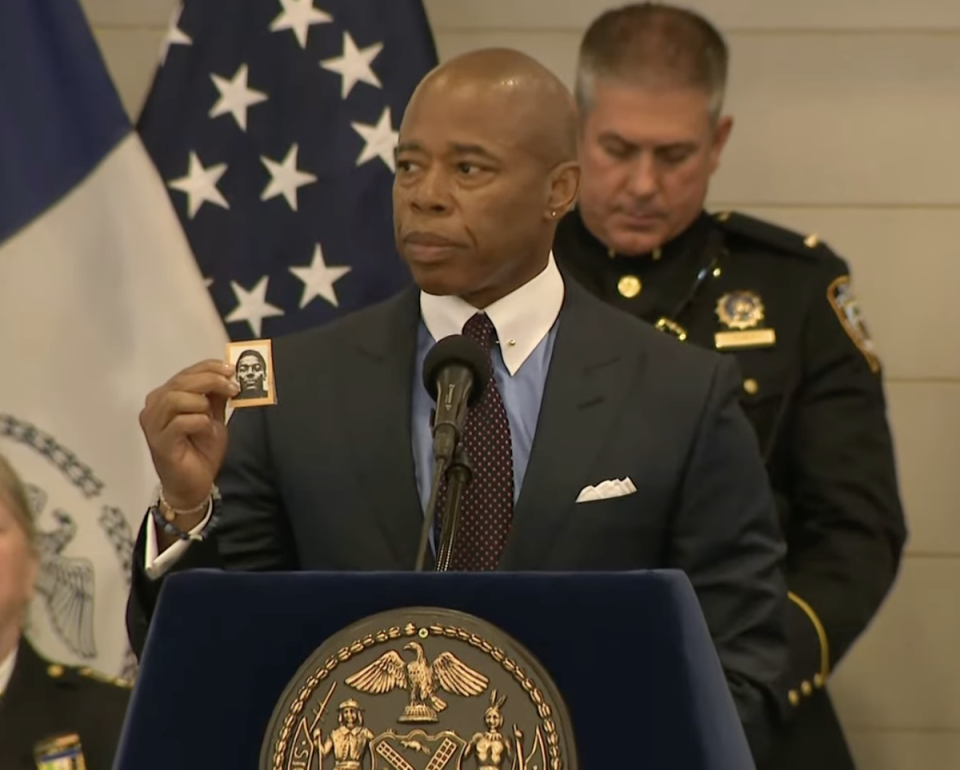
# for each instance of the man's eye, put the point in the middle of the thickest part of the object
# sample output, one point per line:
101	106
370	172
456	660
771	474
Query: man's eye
618	151
674	157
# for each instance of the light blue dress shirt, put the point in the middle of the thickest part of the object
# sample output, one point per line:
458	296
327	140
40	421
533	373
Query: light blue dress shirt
521	394
526	323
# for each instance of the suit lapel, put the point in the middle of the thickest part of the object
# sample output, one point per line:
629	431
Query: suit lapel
376	398
591	372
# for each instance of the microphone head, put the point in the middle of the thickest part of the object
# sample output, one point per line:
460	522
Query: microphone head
457	350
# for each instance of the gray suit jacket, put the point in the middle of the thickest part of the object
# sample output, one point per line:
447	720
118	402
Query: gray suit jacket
324	480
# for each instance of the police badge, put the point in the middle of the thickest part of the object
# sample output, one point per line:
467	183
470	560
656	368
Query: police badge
740	310
420	689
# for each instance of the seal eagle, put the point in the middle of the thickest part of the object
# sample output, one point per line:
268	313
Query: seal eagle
420	678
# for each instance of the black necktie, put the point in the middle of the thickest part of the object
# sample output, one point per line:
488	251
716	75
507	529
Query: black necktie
486	508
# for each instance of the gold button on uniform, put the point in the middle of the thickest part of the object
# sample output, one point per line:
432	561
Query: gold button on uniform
751	386
629	286
794	698
807	689
55	671
817	681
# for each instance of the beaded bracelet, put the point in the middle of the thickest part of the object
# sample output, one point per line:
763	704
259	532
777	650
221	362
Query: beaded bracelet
165	522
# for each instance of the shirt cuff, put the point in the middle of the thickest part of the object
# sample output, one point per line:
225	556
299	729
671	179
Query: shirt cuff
157	564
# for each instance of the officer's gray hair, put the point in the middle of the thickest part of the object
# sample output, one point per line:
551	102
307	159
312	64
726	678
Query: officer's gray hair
653	44
13	494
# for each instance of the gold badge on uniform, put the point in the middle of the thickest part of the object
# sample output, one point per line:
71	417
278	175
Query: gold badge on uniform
742	312
420	689
62	752
841	298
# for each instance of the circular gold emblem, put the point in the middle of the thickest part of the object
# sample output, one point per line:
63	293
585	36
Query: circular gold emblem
420	689
740	310
629	286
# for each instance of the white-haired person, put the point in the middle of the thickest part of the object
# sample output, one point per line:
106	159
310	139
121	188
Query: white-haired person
46	709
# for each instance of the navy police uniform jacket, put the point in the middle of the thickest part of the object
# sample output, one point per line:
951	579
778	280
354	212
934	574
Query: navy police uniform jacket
782	304
45	700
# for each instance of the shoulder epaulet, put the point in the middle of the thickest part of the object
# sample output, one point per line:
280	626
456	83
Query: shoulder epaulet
773	236
99	676
56	671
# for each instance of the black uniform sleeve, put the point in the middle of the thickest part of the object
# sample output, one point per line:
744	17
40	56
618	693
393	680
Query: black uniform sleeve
252	533
846	526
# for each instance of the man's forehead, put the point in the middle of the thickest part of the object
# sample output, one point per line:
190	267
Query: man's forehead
450	144
648	121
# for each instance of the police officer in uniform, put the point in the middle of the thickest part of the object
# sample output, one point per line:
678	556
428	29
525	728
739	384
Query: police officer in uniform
50	715
650	85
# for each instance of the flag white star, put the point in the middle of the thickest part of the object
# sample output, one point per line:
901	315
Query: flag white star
252	306
235	97
380	141
318	279
200	185
286	178
299	15
355	65
174	36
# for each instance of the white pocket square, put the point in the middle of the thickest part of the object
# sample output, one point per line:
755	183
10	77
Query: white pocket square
607	489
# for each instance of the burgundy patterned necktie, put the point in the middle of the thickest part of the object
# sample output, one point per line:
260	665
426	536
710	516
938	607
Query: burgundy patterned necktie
486	508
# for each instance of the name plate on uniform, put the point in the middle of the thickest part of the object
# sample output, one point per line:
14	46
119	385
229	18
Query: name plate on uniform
420	689
748	338
60	753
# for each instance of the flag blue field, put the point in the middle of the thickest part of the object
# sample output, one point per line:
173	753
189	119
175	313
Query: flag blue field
273	124
101	300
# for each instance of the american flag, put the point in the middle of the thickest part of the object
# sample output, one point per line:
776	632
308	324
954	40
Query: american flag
273	124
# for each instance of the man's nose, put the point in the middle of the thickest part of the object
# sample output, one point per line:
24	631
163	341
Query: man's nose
432	193
643	181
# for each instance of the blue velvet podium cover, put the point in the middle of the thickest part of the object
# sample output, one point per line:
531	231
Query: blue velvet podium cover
629	652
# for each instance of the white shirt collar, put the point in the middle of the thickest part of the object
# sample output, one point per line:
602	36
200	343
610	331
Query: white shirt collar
6	669
522	318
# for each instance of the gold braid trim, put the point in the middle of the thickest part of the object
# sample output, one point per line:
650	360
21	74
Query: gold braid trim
821	633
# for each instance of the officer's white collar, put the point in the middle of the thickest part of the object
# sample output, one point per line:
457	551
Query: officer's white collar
6	669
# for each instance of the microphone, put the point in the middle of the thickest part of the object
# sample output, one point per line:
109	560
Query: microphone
455	373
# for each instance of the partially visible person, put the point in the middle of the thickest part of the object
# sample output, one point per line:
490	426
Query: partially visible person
252	375
650	91
338	475
41	701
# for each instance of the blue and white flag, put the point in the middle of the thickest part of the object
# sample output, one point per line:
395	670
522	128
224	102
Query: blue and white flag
101	301
274	125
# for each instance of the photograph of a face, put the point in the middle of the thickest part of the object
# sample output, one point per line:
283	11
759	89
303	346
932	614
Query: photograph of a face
253	360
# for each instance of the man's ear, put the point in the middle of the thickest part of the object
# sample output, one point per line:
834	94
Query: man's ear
721	134
564	186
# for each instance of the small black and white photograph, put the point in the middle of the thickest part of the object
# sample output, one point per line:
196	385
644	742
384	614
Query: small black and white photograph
253	360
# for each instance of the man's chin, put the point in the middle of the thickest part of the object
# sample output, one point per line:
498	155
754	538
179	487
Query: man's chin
437	282
634	244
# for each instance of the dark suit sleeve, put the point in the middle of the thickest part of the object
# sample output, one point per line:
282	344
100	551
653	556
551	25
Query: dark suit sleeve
252	532
846	525
727	539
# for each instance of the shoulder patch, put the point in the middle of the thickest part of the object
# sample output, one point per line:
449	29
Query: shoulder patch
845	305
773	236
